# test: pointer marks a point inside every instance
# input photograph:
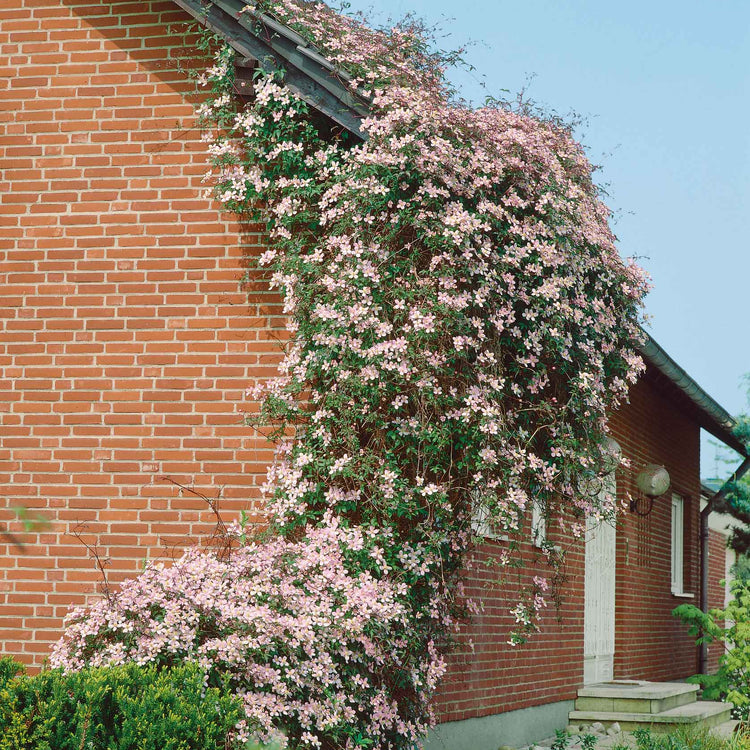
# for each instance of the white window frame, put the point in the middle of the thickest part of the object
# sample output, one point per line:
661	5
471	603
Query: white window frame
678	544
481	524
538	524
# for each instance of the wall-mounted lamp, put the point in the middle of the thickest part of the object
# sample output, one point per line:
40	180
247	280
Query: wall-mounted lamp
652	482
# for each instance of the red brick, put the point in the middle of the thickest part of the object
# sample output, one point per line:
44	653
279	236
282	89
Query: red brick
107	240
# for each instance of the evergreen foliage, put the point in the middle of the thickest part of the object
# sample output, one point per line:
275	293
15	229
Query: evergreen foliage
116	708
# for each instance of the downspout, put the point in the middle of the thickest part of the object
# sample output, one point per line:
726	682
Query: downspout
704	536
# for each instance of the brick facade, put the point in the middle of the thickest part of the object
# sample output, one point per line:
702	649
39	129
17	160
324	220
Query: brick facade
486	675
649	642
128	341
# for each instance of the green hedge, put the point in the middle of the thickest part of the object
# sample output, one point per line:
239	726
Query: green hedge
114	708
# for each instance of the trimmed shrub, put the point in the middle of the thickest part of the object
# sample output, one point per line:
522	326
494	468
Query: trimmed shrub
115	708
307	646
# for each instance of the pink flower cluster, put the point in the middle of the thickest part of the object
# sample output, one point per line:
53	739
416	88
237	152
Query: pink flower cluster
460	322
520	256
305	642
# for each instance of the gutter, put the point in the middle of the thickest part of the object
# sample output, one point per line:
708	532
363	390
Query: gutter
741	470
714	418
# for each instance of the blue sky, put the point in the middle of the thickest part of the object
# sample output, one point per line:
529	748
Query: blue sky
666	89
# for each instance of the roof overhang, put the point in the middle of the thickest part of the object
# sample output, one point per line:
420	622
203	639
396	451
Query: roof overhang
708	413
275	48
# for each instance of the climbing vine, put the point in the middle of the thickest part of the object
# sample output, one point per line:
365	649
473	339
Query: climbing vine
459	324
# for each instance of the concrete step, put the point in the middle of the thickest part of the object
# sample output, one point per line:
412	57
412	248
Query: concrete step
701	713
726	730
635	696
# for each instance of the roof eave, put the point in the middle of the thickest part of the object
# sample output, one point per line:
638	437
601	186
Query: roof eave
715	419
275	48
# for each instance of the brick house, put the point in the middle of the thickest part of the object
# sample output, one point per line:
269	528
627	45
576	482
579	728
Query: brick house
620	585
131	331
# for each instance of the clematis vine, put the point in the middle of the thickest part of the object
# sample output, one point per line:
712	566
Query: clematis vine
460	322
304	641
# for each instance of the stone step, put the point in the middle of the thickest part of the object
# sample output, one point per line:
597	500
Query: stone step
635	696
726	730
701	713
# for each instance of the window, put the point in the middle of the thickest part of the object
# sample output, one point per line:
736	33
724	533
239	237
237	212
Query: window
538	524
678	529
481	522
482	525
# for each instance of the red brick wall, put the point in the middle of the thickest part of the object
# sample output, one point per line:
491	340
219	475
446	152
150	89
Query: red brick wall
127	340
493	676
649	642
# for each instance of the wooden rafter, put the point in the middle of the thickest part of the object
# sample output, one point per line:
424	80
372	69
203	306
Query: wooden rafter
276	48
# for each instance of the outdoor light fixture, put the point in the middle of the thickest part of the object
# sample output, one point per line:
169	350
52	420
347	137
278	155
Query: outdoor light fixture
652	482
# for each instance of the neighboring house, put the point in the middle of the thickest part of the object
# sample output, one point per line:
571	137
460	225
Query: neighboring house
721	559
128	341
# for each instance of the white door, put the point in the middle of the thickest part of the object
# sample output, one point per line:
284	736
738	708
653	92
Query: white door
599	612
